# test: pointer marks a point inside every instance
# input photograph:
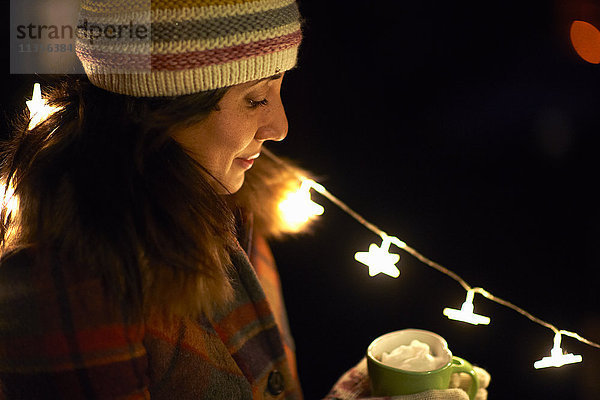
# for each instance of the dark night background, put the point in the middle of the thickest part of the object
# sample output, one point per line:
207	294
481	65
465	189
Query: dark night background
470	131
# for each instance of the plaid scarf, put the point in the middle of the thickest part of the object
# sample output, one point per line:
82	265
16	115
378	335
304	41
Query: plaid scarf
59	339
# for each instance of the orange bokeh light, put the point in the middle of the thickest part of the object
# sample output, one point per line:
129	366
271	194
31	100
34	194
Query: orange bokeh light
585	39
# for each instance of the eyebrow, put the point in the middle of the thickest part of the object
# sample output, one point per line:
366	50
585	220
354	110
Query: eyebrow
269	78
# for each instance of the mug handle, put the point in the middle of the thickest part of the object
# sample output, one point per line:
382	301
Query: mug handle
461	365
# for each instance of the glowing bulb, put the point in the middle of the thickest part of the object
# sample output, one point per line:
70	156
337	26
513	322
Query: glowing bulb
39	111
465	314
379	260
10	202
297	208
557	357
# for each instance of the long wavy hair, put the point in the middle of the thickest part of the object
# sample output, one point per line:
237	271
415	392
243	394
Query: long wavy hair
103	187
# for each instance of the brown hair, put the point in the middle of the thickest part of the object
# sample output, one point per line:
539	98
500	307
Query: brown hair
102	187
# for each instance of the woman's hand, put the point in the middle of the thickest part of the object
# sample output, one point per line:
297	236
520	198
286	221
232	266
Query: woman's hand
354	385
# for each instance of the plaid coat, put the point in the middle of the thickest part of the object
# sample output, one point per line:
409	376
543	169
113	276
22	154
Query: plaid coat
59	340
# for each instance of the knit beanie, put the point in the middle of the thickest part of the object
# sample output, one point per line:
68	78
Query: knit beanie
151	48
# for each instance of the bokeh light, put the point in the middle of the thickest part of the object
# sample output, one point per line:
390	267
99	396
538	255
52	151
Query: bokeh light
585	39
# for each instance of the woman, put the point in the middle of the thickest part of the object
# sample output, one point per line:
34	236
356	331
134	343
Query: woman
135	263
126	267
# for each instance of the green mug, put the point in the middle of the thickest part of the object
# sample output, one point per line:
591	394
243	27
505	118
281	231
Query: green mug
391	381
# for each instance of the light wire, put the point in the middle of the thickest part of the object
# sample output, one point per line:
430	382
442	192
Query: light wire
402	245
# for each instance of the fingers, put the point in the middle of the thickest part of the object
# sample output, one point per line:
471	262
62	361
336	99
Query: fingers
361	367
483	376
463	380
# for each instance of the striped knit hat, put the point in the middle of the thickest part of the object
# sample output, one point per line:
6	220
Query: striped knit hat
150	48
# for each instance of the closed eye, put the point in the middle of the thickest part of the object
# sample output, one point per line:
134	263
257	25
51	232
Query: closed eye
257	103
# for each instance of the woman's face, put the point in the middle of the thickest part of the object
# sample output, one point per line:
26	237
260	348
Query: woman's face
230	138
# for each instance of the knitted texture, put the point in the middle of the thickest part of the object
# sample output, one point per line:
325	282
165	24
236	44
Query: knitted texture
354	384
151	48
64	342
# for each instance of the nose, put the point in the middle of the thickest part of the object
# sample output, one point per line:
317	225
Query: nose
275	126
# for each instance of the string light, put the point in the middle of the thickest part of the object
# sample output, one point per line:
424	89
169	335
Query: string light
298	208
39	110
379	260
557	357
465	314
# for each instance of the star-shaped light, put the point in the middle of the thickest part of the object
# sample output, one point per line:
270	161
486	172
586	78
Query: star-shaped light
465	314
297	208
379	260
39	111
557	357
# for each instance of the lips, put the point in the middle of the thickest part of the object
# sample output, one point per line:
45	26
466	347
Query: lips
247	162
250	158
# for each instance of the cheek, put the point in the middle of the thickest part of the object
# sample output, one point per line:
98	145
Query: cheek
235	134
219	139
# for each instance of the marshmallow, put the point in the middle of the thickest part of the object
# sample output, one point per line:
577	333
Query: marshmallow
414	357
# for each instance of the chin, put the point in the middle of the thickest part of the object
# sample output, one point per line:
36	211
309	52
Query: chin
236	185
